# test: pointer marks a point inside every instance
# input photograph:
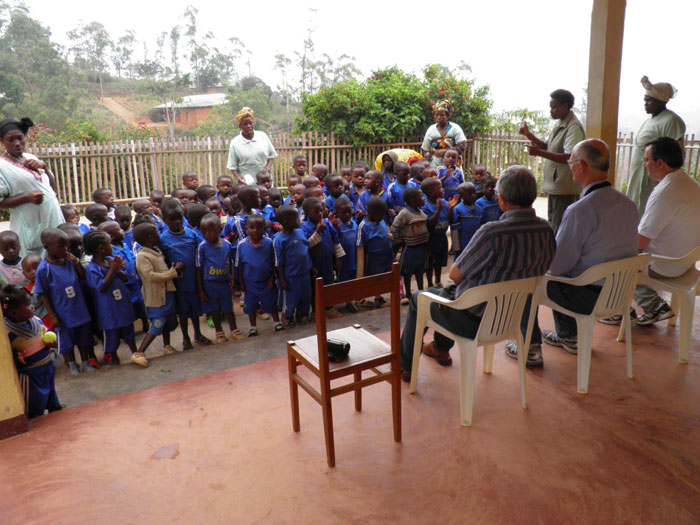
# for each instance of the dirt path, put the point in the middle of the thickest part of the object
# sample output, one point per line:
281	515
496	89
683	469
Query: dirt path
123	112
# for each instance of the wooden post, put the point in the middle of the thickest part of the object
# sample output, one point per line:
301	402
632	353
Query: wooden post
604	63
13	420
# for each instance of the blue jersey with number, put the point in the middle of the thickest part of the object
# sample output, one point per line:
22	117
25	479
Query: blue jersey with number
257	262
113	305
181	247
217	261
61	284
292	252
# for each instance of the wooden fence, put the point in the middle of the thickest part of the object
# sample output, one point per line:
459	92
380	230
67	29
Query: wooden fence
132	168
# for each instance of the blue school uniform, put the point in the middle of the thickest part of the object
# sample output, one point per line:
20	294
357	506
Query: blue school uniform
292	253
221	198
268	213
322	253
36	374
84	228
182	247
161	225
395	191
198	235
489	209
477	189
287	200
61	284
413	183
235	226
437	243
354	197
388	180
379	255
366	196
347	232
330	202
466	220
256	264
216	263
129	240
451	183
115	314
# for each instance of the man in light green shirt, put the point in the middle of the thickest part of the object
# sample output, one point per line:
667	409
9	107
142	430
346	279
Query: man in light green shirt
559	184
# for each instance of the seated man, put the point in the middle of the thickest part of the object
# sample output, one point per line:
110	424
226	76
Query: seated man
670	225
518	246
601	226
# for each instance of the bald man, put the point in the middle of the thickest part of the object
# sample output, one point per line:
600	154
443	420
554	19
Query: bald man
601	226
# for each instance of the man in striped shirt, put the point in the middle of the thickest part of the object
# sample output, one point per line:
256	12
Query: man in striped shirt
518	246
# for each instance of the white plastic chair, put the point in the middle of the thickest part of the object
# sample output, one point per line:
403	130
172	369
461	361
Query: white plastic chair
683	288
615	298
501	320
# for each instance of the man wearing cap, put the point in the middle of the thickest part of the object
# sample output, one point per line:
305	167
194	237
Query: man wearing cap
662	123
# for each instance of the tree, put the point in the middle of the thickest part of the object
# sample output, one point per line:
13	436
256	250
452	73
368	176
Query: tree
510	121
166	91
91	45
123	52
197	51
393	105
174	50
282	64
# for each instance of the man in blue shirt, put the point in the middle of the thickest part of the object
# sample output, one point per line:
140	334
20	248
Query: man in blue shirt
601	226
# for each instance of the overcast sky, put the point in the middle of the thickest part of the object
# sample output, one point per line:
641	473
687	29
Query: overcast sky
522	50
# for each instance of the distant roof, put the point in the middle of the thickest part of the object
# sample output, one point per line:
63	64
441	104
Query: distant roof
198	101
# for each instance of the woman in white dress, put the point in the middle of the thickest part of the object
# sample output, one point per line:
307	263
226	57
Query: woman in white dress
26	188
251	151
442	135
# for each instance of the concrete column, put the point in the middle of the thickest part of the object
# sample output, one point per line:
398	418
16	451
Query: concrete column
12	418
604	63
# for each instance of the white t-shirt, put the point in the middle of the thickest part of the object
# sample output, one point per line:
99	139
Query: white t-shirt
672	221
250	156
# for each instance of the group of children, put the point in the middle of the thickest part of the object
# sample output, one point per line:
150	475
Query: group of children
170	259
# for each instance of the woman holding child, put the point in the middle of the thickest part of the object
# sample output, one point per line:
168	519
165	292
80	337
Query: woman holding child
442	135
251	151
26	188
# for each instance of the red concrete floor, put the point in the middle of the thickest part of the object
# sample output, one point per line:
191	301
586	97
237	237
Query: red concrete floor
627	452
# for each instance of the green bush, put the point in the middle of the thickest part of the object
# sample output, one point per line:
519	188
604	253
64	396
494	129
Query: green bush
392	105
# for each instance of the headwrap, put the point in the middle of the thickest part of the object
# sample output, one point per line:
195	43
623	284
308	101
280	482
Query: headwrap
244	113
662	91
9	124
443	105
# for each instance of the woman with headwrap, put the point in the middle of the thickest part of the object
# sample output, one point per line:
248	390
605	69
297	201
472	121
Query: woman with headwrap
442	135
26	188
662	123
251	151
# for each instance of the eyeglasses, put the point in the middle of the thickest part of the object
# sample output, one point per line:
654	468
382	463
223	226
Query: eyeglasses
572	162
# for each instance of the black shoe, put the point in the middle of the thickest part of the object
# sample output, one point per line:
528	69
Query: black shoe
534	354
662	312
351	308
617	319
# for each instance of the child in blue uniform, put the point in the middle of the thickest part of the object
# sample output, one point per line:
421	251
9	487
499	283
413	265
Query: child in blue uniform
268	212
107	281
215	277
158	290
255	266
488	204
180	245
58	280
396	188
97	214
347	232
224	187
334	190
479	171
450	175
436	210
234	231
106	197
133	282
464	217
147	207
417	169
324	245
293	265
33	357
373	188
357	187
122	215
374	251
195	215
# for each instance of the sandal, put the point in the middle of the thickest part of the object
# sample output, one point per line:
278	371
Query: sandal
279	327
366	303
236	334
252	332
203	341
262	315
187	345
169	350
220	338
139	358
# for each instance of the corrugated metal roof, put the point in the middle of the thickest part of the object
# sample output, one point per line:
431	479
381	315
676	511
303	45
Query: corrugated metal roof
198	101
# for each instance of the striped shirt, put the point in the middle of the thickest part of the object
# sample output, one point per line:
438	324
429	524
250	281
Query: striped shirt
518	246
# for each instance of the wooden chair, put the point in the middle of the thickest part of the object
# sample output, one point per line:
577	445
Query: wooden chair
505	302
367	352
